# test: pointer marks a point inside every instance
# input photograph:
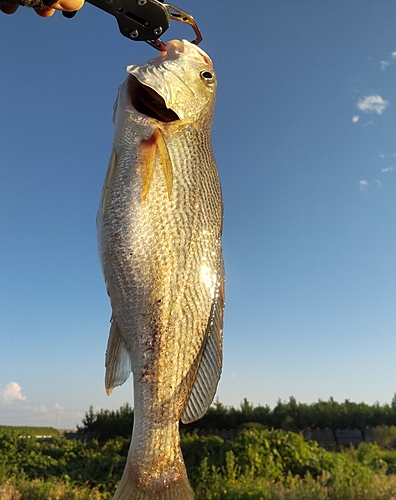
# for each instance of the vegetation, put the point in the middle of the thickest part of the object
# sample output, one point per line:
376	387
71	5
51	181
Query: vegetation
71	461
107	424
258	464
291	416
31	431
296	416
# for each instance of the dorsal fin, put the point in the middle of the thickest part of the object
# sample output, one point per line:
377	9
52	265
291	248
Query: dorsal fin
209	370
108	183
118	361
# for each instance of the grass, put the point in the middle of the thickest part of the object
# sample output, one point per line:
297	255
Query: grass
53	489
31	431
380	488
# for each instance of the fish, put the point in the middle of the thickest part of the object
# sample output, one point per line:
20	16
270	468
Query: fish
159	225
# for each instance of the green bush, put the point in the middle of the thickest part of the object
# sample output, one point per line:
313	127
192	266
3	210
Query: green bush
385	436
259	464
274	464
72	461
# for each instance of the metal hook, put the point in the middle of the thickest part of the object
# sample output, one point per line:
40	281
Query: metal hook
181	16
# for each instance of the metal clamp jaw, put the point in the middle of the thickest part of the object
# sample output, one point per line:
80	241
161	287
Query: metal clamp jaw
146	20
140	20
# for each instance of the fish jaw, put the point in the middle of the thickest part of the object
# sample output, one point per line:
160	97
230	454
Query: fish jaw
175	76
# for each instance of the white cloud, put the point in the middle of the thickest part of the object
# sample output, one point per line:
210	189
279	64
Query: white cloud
373	104
378	182
355	118
388	169
12	393
16	409
394	54
363	184
384	65
381	155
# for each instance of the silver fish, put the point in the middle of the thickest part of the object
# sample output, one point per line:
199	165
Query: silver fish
159	231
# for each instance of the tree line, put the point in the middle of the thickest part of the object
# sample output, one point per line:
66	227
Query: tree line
289	416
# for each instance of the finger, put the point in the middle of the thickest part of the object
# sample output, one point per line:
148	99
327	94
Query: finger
68	5
47	12
9	9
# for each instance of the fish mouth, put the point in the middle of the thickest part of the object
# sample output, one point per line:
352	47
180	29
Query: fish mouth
148	102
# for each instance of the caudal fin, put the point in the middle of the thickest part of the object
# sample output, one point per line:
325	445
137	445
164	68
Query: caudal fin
178	489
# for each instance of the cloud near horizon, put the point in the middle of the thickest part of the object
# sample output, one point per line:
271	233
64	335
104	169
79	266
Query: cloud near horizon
12	393
373	104
16	409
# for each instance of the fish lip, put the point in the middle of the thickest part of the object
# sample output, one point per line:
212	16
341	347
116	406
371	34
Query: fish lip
148	102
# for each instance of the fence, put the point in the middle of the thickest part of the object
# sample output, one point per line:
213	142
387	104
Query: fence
327	438
330	439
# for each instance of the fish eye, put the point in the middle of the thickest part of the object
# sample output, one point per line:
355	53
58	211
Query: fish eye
207	76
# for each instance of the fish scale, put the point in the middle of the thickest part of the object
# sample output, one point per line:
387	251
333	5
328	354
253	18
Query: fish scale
159	233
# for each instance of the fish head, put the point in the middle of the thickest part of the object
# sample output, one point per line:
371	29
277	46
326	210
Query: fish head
179	84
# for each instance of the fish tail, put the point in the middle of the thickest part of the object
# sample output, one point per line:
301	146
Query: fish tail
177	489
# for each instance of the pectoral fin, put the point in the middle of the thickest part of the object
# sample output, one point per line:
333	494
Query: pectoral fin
147	153
208	374
165	161
118	362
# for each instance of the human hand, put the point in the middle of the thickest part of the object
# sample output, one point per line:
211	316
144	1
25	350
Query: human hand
66	5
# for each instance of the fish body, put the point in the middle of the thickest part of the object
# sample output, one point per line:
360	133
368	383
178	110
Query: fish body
159	233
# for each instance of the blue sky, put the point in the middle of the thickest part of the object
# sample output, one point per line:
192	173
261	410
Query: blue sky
304	137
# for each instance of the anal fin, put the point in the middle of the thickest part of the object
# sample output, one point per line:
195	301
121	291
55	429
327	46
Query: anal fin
118	362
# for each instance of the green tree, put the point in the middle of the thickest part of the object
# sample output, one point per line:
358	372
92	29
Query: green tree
106	424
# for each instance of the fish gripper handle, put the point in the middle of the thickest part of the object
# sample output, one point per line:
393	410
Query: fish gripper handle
41	4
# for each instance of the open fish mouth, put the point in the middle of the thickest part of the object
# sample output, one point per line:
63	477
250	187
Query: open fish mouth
148	102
